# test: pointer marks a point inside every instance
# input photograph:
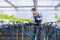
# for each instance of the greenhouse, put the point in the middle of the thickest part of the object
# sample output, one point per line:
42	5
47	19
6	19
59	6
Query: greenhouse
29	19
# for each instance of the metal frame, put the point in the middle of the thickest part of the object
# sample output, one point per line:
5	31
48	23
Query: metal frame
16	7
58	5
10	3
22	6
13	6
34	2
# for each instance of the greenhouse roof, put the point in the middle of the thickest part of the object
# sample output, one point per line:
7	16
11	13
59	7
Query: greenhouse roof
28	3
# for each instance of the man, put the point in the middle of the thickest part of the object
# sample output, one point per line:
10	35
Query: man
37	19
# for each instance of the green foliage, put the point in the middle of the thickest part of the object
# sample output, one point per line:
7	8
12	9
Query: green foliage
56	16
13	18
3	16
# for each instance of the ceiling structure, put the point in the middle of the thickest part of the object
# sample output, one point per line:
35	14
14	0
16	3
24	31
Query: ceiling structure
29	3
42	4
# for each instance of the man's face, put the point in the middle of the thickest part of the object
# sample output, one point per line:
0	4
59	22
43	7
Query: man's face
34	12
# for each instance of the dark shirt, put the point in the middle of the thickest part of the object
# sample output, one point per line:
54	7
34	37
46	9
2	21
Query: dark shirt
37	18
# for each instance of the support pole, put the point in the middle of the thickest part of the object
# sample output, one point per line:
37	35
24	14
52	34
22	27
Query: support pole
16	28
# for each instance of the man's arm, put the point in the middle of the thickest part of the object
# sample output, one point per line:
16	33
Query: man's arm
40	16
